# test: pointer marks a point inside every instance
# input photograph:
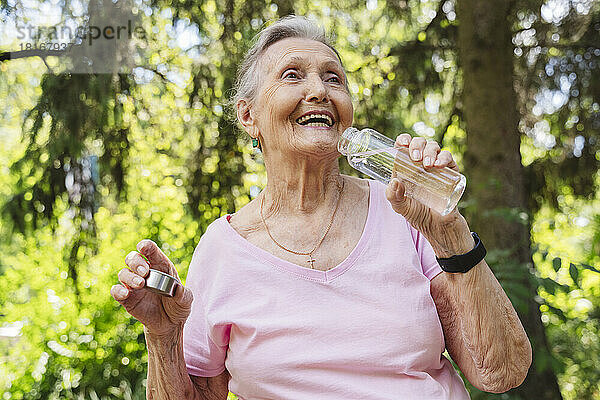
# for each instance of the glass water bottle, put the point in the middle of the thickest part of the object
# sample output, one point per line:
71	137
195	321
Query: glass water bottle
375	155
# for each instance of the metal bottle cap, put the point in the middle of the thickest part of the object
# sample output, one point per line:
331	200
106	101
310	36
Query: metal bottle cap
161	283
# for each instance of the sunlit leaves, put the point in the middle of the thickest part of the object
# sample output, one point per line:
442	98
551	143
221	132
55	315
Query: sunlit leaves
570	279
556	263
163	138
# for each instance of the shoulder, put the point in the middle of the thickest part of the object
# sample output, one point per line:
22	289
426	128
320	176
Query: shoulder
355	180
356	187
210	254
387	218
246	220
213	231
211	242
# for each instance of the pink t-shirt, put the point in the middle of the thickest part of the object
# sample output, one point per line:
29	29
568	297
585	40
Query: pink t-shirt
366	329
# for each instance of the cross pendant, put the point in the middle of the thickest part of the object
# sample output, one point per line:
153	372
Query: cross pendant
311	261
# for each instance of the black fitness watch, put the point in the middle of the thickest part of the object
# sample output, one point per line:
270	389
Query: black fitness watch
464	262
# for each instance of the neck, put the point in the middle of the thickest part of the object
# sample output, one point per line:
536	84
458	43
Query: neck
303	186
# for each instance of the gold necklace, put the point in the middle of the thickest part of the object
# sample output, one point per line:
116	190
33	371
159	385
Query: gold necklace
310	260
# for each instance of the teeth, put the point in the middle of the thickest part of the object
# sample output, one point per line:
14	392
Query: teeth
324	116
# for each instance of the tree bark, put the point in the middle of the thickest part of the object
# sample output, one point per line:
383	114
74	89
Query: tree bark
496	181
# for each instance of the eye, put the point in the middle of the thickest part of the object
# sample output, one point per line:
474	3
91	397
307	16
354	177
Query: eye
333	78
290	74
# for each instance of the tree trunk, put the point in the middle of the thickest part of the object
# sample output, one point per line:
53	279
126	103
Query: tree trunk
496	185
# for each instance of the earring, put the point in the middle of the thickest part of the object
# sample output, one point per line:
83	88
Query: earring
255	142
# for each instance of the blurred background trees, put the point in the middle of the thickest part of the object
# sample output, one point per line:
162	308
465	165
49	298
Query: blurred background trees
92	163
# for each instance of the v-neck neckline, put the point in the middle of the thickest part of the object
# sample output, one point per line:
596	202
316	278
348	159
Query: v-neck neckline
236	239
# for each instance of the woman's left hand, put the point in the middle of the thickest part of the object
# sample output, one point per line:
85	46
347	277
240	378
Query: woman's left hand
448	234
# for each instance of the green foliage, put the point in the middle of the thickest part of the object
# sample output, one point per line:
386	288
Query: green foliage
81	344
568	293
106	160
558	60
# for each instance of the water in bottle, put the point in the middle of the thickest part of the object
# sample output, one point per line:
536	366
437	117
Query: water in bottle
375	155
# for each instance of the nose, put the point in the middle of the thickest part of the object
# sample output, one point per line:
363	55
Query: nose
316	91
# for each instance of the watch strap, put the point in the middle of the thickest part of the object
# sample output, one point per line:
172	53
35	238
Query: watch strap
464	262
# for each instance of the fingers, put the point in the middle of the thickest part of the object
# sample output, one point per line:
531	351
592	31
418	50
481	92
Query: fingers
427	151
445	159
411	209
418	215
430	153
181	305
403	139
136	262
156	258
424	150
158	313
415	149
130	279
119	292
395	193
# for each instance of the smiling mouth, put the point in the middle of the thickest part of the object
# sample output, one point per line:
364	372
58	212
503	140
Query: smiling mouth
316	120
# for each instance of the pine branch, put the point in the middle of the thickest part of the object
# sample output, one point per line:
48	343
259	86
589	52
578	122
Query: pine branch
415	45
455	111
13	55
160	74
568	46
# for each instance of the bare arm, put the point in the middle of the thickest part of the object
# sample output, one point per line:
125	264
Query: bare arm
163	319
482	330
214	388
167	374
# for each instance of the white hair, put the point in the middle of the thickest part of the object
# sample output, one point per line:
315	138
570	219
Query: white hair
292	26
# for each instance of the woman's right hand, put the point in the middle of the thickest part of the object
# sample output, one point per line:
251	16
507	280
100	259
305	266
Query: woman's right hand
160	315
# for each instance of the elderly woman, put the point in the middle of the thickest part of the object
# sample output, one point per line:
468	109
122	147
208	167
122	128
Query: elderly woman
325	286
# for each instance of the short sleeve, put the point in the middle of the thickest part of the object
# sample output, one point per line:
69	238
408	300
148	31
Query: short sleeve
204	344
429	264
425	254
